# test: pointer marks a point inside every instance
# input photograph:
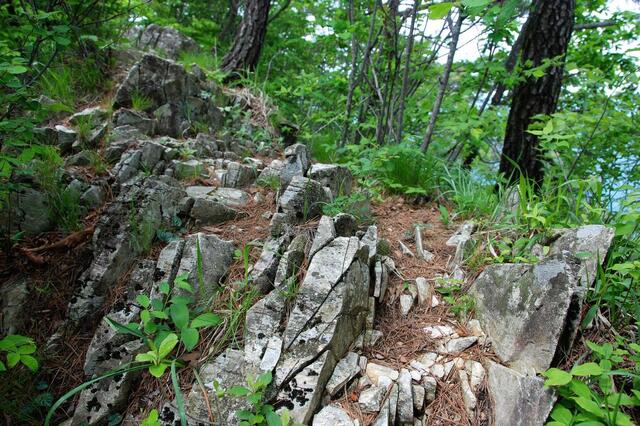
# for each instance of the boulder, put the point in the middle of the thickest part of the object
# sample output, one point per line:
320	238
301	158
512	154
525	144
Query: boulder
303	199
325	233
163	40
338	178
92	115
239	175
29	212
135	119
332	415
209	212
297	160
530	312
519	400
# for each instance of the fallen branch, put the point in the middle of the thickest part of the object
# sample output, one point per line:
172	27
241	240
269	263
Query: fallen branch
71	240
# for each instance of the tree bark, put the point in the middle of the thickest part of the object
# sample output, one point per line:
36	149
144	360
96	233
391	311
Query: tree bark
405	73
546	36
245	53
352	76
444	82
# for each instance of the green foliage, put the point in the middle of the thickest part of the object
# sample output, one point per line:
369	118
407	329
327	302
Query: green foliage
598	392
461	303
142	231
271	182
357	204
151	419
18	350
140	102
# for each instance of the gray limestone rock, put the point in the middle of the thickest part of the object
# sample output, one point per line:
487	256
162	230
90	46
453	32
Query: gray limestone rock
303	199
404	412
135	119
93	197
332	415
297	160
164	40
325	233
530	312
239	175
338	178
13	297
66	137
264	271
187	169
346	369
519	400
29	212
291	263
92	115
371	399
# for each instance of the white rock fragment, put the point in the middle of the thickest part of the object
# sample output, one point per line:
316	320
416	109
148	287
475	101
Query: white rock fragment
458	345
428	359
437	370
440	331
420	250
476	373
434	301
371	399
418	397
468	396
332	416
474	328
406	303
271	354
425	290
378	373
405	250
416	375
430	386
346	369
404	411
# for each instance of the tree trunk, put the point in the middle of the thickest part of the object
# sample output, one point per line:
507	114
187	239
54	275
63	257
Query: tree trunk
352	76
547	34
245	53
444	82
405	73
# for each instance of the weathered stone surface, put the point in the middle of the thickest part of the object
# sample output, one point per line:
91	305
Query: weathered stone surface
187	169
439	331
263	320
590	243
217	257
468	396
519	400
296	163
228	369
303	199
291	262
264	271
338	178
29	212
370	239
332	415
230	197
404	412
271	172
164	40
209	212
13	296
530	312
371	399
118	239
239	175
406	303
458	345
346	225
66	137
325	233
128	166
387	415
418	397
420	250
460	240
430	386
425	290
380	374
135	119
93	197
346	369
81	159
381	280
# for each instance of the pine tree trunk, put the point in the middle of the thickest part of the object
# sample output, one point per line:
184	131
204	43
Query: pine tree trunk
547	34
245	53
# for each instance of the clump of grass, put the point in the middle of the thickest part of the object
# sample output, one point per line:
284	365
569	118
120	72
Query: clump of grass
83	128
97	163
57	83
271	182
140	102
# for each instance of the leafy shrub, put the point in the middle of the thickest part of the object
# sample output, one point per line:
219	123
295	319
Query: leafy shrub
18	350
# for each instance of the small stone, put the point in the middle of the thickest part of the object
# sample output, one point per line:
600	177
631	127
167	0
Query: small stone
325	233
404	412
415	375
346	369
430	385
458	345
371	337
434	301
474	328
425	290
437	370
376	372
371	314
439	331
362	363
332	415
418	397
371	399
381	280
476	373
422	252
406	303
405	250
468	396
271	354
93	197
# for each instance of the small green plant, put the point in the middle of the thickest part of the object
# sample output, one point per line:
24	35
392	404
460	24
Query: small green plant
444	215
18	350
57	83
589	393
142	232
97	163
261	414
83	127
271	182
355	204
451	290
140	102
151	419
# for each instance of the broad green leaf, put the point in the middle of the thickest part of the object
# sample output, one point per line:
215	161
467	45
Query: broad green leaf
590	406
184	285
12	359
475	3
26	349
273	419
561	414
439	10
179	315
30	362
587	369
159	314
164	288
238	391
208	319
143	300
146	357
157	370
16	69
167	345
556	377
189	337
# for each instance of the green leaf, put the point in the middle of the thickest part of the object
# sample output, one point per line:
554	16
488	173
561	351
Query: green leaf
164	288
124	329
16	69
146	357
26	349
264	379
12	359
159	314
179	398
157	370
167	345
30	362
475	3
590	406
189	337
2	366
587	369
208	319
238	391
561	414
439	10
143	300
184	285
179	315
556	377
273	419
